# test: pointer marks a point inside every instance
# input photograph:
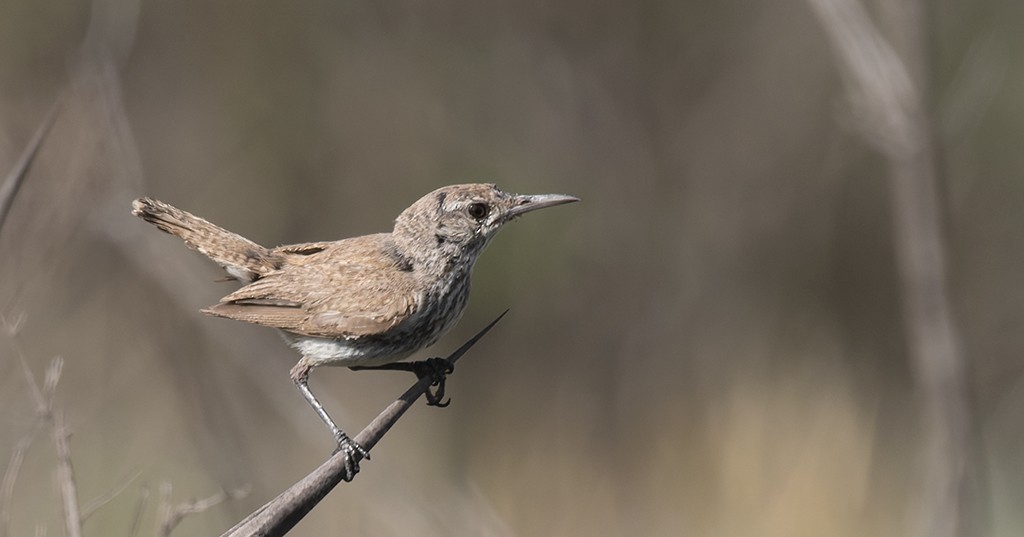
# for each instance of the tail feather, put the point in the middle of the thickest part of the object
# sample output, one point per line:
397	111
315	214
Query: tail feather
243	259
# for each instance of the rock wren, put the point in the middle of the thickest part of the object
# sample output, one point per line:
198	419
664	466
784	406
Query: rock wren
363	301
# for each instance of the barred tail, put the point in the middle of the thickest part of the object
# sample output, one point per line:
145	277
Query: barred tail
243	259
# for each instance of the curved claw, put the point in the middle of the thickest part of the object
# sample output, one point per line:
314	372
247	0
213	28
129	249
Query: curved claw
440	404
437	369
350	448
434	398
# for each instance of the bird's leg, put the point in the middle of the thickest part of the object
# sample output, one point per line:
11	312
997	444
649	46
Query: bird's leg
300	375
436	368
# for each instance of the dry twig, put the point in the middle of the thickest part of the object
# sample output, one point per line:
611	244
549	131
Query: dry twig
44	405
108	496
45	413
140	508
279	515
11	477
17	174
66	477
170	516
8	191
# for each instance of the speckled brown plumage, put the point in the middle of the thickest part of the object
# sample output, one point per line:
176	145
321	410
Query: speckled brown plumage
366	300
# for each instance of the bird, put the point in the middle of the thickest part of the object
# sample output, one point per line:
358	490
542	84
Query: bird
363	302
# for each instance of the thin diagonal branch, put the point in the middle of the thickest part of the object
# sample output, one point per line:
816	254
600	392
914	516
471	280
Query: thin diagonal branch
172	516
106	497
17	174
279	515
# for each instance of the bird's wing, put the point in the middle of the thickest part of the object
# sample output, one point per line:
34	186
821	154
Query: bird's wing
337	296
305	248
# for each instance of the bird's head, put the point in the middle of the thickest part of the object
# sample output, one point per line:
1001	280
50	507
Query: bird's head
456	222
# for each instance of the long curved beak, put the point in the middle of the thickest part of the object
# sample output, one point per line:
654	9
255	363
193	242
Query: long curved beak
522	204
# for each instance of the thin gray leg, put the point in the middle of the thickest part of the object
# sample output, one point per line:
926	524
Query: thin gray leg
346	444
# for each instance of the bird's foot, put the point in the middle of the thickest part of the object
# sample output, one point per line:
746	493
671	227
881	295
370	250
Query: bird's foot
436	369
351	449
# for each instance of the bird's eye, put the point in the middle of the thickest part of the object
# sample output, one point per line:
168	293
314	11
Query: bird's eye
477	210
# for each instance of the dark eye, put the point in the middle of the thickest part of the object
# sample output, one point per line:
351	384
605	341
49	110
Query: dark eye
477	210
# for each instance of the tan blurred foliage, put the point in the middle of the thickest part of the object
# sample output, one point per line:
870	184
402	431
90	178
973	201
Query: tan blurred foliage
710	344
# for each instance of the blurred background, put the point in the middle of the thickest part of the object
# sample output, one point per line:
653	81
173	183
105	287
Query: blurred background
710	344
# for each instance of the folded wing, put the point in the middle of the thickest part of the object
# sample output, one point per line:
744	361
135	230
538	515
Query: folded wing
353	297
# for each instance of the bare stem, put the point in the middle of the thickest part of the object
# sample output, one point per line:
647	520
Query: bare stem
66	477
44	413
140	509
895	121
172	516
105	498
279	515
11	477
20	170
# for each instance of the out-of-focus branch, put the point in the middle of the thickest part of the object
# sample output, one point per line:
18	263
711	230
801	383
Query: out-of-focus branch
107	497
279	515
140	508
172	515
45	414
20	170
61	436
66	477
11	477
882	87
44	411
